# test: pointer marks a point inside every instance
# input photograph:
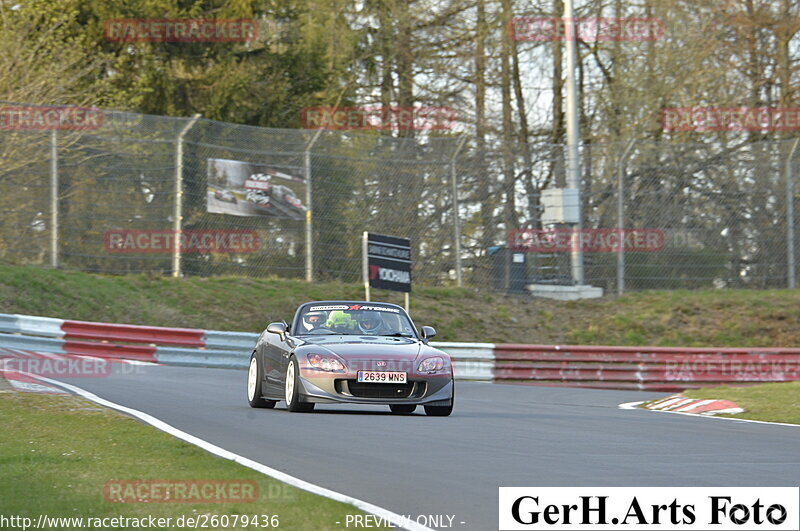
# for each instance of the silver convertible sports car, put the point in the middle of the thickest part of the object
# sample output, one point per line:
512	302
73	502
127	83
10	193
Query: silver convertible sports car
351	352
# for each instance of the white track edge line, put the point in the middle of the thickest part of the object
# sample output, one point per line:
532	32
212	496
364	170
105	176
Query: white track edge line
399	521
635	405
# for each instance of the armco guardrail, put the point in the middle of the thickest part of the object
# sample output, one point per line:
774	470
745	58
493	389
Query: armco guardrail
132	333
179	346
184	346
471	361
646	368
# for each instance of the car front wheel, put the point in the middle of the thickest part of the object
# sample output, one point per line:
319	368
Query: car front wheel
254	386
292	389
442	411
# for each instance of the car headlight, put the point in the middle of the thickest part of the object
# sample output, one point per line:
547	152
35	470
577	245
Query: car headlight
325	363
431	365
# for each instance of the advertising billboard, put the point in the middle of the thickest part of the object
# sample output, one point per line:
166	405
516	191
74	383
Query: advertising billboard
242	188
388	261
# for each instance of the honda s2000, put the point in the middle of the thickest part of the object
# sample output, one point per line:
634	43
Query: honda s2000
350	352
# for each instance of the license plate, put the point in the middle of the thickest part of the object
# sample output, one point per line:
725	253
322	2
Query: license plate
382	377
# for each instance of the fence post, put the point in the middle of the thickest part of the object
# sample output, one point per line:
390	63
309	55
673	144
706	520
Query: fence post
790	242
365	264
309	226
573	139
621	218
177	213
54	199
456	219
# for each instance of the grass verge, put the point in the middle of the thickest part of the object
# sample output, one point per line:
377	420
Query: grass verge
739	318
772	402
58	452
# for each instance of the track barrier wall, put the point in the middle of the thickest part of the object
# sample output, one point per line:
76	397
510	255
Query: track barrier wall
609	367
643	368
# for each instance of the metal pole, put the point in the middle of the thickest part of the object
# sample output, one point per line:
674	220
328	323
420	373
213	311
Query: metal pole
456	218
621	218
790	221
365	263
408	302
177	213
309	226
573	137
54	199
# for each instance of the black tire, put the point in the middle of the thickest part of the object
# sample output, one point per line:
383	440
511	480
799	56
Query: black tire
402	408
254	378
292	396
442	411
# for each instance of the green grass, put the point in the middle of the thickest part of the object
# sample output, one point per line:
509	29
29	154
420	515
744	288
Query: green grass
669	318
57	452
773	402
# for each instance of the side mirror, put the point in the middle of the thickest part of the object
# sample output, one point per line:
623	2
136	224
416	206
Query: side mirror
277	328
427	333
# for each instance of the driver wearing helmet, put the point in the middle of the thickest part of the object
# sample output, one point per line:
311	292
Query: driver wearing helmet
370	322
314	320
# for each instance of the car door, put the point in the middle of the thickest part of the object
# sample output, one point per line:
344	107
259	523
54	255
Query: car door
274	353
285	349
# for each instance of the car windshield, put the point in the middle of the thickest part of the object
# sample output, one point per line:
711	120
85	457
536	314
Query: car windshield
354	319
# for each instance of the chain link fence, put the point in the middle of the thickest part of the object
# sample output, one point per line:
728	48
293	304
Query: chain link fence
110	199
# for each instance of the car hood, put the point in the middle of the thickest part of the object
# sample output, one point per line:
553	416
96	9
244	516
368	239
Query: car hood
364	347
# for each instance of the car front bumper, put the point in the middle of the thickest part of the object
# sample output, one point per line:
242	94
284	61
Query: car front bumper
322	387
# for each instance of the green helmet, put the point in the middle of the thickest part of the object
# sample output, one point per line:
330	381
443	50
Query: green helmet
340	321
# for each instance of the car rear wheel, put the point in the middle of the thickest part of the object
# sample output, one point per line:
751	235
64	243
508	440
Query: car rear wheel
292	389
442	411
402	408
254	378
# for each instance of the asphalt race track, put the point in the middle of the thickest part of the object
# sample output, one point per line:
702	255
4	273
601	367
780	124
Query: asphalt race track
498	435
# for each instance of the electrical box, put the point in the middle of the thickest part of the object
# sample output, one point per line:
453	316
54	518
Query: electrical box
561	205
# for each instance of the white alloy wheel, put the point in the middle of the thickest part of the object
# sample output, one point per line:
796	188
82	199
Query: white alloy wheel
289	383
252	379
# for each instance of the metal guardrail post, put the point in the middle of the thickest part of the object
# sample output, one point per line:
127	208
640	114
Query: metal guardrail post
456	219
365	264
54	199
309	222
621	218
177	214
573	138
791	259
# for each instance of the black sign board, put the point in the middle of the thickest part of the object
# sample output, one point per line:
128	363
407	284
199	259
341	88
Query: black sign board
388	262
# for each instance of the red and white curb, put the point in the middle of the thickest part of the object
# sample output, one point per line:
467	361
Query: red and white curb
681	404
28	384
637	405
687	406
22	368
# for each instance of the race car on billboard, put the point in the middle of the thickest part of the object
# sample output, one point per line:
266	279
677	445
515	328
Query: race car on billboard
350	352
225	195
272	198
285	195
259	199
258	188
